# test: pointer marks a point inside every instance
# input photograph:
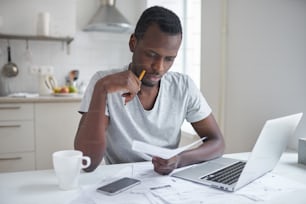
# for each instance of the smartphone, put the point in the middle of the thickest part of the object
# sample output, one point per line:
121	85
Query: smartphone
118	186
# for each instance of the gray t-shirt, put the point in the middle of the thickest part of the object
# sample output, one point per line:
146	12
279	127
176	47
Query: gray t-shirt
178	99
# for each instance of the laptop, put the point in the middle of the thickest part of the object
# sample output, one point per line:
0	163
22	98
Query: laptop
231	174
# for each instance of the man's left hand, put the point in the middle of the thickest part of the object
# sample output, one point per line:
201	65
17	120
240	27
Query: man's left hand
165	166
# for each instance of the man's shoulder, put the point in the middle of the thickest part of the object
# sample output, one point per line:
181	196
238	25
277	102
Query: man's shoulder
102	73
177	78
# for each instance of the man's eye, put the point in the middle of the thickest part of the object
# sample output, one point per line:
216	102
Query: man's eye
169	59
151	54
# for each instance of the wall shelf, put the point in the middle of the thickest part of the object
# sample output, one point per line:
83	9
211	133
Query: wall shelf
68	40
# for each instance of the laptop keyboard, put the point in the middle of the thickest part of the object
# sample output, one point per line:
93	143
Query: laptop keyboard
228	175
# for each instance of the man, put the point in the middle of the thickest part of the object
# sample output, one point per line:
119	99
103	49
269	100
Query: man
118	107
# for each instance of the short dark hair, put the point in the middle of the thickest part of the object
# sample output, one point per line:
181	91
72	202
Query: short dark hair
166	19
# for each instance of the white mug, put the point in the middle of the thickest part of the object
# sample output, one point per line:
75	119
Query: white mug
67	165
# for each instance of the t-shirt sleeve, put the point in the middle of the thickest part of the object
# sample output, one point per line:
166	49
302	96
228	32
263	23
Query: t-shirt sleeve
197	108
88	94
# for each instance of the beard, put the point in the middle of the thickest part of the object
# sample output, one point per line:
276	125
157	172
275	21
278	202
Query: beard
148	83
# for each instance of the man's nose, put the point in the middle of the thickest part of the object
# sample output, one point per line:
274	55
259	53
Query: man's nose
158	64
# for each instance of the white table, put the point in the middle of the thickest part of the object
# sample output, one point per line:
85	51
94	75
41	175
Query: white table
30	187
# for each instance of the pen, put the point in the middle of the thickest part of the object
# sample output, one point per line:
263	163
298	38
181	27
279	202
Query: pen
142	74
140	78
159	187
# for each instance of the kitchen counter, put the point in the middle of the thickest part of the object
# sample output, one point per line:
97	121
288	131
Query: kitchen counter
41	99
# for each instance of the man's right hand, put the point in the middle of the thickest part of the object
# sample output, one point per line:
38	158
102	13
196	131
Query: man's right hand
126	82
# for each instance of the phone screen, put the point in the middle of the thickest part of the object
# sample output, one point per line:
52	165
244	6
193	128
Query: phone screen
118	186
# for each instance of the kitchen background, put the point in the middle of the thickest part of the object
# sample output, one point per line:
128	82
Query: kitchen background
88	52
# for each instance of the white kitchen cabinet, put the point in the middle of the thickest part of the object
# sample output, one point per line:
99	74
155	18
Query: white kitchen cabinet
55	128
19	161
17	137
32	129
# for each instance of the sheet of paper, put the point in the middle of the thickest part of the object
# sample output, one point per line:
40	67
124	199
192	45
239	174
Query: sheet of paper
161	152
160	189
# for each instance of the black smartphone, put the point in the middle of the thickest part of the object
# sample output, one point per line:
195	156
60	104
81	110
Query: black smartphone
118	186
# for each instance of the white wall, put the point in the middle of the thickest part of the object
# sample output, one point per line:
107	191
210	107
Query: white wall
263	52
20	17
89	52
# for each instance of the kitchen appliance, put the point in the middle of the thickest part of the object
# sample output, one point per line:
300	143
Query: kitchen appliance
108	19
10	69
47	84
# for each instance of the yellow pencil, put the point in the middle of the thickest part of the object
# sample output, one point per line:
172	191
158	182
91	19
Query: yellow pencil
142	74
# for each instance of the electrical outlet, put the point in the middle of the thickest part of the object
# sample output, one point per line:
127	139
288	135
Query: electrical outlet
46	70
33	69
50	70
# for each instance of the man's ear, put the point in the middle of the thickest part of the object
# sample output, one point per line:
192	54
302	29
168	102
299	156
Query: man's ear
132	43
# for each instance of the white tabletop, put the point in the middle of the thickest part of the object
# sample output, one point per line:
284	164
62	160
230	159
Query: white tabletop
30	187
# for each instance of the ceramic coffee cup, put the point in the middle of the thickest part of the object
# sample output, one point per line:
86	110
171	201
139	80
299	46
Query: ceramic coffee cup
67	165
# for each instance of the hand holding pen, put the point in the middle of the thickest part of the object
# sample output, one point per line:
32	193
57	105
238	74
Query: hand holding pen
128	96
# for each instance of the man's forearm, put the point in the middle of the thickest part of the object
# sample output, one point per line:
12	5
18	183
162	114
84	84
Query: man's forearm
90	137
208	150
